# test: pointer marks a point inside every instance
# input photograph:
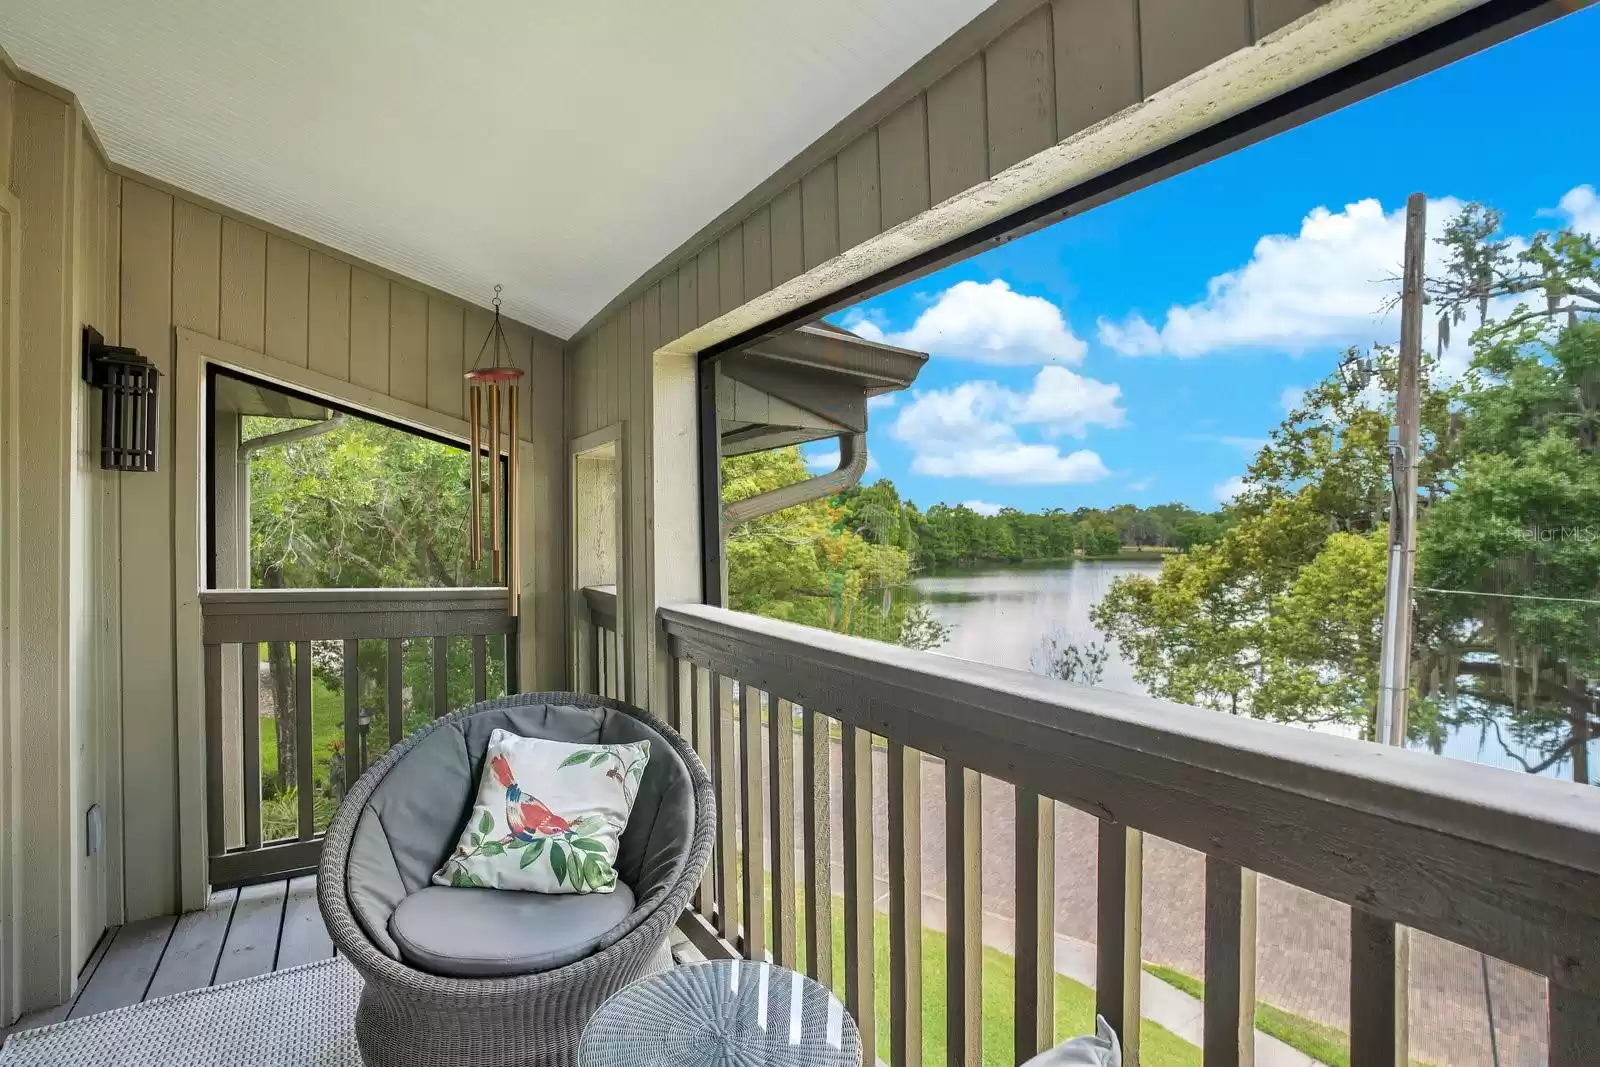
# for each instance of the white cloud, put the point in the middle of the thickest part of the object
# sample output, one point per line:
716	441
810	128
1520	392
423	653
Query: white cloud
827	460
1229	489
1581	206
985	322
881	402
1291	398
970	430
982	507
1328	284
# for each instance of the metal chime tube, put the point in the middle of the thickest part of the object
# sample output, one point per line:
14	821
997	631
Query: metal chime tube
494	479
475	530
513	577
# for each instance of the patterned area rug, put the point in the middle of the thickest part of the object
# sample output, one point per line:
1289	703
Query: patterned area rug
301	1017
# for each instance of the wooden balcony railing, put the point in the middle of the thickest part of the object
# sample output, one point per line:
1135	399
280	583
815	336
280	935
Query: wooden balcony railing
600	665
238	622
1502	863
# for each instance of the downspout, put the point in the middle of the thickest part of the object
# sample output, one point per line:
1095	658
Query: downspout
852	465
241	475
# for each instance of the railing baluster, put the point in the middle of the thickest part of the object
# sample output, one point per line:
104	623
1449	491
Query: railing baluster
215	800
1230	955
1377	990
441	677
396	699
905	905
963	810
250	701
305	759
613	667
727	785
601	684
480	668
705	898
352	713
780	758
1118	936
1574	1027
856	746
1034	1015
816	812
755	946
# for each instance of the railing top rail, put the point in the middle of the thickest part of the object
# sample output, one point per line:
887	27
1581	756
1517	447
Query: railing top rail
253	601
1497	860
602	600
235	615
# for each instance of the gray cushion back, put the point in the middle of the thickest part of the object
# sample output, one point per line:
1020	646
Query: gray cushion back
416	814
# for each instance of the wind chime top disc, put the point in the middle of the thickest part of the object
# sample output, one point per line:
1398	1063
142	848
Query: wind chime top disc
493	374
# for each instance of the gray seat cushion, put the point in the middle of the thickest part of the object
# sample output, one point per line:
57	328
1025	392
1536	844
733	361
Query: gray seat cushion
492	933
414	817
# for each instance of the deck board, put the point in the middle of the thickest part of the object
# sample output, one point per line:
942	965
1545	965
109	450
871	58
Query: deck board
126	969
252	944
305	936
191	957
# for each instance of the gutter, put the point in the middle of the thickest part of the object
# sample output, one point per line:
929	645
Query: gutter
852	465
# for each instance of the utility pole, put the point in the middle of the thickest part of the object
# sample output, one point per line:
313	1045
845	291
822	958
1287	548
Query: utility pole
1394	683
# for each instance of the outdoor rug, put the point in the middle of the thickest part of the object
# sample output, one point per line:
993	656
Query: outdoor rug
301	1017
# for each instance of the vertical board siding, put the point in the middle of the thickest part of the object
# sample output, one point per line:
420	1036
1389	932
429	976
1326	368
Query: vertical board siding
1097	61
244	285
149	694
708	287
1021	92
1179	37
328	325
903	163
1271	16
288	300
819	214
369	330
860	210
788	238
445	333
408	344
757	256
730	270
958	141
196	257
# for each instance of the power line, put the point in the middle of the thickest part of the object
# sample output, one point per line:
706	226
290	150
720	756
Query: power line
1511	596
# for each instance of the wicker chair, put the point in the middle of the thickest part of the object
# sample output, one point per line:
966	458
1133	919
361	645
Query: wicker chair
410	1017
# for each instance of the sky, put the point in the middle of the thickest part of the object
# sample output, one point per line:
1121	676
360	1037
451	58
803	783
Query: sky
1141	352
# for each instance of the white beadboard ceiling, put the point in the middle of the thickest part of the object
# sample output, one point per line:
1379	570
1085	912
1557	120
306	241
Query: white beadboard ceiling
561	149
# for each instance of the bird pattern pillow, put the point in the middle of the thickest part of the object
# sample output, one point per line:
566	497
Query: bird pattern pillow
548	817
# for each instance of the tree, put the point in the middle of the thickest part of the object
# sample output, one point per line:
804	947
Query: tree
1058	656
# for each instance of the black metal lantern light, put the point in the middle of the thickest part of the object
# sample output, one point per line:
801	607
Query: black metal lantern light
129	386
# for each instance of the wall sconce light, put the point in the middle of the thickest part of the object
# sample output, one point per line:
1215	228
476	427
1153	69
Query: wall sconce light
129	385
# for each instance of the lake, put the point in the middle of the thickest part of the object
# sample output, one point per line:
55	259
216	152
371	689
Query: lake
999	615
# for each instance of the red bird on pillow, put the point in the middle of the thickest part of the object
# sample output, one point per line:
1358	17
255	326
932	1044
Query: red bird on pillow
526	813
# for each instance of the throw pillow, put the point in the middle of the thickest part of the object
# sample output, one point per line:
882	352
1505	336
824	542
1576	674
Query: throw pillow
548	817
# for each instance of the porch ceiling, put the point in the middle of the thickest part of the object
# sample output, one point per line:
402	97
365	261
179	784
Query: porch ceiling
560	149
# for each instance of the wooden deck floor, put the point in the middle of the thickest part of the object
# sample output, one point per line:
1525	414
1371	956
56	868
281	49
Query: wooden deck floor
242	932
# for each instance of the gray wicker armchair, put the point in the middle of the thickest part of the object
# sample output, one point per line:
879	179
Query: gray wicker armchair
398	824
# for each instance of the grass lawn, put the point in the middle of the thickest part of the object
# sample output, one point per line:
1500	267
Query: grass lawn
1074	1001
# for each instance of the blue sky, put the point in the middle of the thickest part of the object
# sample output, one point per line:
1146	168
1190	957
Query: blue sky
1140	352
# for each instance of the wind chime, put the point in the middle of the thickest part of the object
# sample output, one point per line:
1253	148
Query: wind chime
492	389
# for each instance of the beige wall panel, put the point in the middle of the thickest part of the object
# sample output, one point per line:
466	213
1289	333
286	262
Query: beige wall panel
329	317
903	163
196	251
1097	61
958	156
475	326
788	242
244	285
1274	15
369	330
605	400
8	89
708	287
688	298
149	740
730	270
408	344
669	309
819	214
288	300
860	212
757	258
1021	91
445	331
1178	37
637	606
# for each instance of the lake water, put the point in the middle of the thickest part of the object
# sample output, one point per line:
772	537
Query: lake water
998	616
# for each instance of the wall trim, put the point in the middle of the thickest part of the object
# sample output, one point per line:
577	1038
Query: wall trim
10	609
614	436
